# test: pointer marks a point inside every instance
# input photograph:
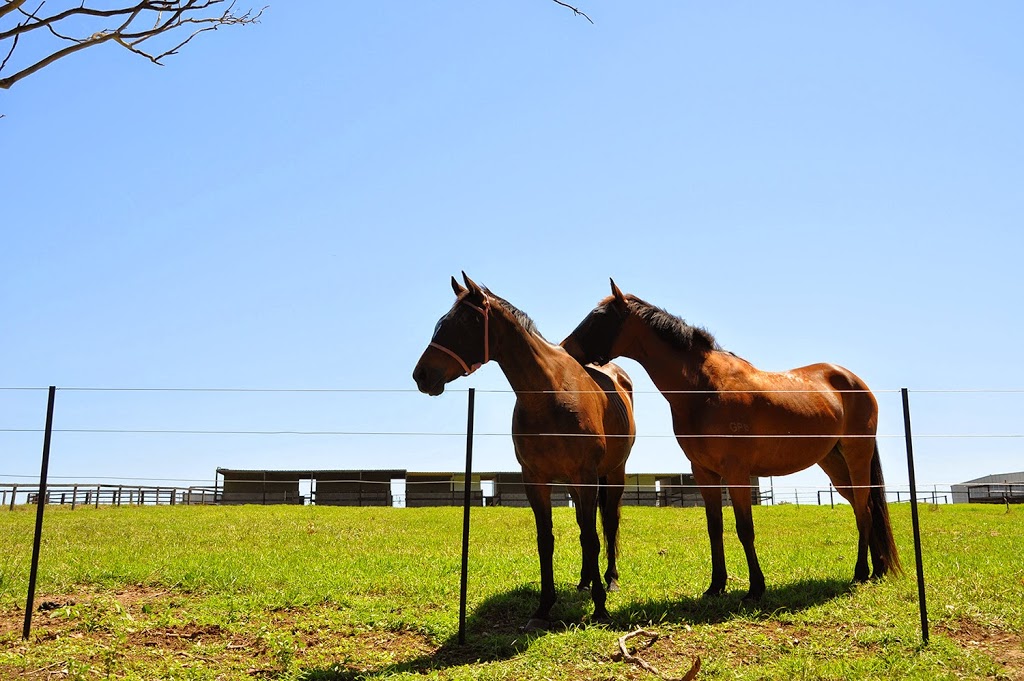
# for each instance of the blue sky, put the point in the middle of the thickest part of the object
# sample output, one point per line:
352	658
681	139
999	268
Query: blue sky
282	206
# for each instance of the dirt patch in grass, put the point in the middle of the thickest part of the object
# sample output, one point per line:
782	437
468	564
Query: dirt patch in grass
11	622
150	631
1006	648
183	637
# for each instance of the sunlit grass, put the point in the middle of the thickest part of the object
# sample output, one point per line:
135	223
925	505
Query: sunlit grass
335	593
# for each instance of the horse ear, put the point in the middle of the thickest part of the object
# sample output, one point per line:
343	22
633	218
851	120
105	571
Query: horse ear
617	294
471	285
457	287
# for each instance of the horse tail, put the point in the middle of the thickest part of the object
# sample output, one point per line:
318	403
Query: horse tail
883	542
609	518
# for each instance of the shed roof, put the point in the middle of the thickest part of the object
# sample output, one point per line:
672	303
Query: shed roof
996	477
306	473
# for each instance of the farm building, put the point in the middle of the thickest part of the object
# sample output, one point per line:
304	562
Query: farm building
326	488
376	488
260	487
354	488
440	489
991	489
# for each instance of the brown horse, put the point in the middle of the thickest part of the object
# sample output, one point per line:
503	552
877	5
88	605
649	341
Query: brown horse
571	424
734	421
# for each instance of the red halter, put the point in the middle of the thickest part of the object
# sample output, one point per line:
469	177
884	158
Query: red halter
485	311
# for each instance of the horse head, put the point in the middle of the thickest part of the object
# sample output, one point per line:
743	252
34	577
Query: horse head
461	341
594	340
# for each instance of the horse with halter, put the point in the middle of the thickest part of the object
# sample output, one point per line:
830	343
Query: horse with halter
734	421
572	424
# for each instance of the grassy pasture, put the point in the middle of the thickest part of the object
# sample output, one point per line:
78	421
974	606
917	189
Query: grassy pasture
319	594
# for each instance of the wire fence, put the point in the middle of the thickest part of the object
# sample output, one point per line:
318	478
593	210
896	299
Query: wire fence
86	490
660	493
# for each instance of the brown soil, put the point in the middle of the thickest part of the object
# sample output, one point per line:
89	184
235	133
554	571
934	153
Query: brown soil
1006	648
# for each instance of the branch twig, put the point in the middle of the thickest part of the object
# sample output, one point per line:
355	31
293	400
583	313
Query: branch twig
640	662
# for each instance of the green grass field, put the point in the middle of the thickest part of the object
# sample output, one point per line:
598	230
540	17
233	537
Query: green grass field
319	593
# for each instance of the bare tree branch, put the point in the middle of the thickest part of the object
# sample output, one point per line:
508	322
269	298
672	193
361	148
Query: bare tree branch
129	25
626	656
76	26
574	10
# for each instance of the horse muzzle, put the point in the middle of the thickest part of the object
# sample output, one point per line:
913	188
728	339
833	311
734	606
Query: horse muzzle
429	381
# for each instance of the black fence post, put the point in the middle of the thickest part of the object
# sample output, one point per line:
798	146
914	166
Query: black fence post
914	518
466	497
40	504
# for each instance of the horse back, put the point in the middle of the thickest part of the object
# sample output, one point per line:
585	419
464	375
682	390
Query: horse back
620	379
853	405
740	398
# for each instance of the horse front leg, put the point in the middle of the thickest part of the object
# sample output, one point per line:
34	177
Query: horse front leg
710	485
585	498
539	496
740	493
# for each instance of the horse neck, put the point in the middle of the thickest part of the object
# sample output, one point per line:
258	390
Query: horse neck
670	369
523	356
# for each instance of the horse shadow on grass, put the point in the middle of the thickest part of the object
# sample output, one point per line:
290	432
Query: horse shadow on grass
791	597
492	634
493	629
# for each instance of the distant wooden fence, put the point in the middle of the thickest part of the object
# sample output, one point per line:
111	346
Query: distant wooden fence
996	493
108	495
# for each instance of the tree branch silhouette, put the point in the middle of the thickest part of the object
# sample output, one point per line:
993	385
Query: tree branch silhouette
50	36
135	27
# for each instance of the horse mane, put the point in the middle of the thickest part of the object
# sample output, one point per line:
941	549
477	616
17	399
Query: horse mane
672	329
524	319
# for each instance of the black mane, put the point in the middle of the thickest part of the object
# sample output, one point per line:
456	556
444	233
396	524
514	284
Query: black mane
672	329
524	319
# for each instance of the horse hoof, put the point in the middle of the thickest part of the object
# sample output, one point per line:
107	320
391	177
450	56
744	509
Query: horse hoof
582	587
753	596
613	586
601	618
714	592
536	624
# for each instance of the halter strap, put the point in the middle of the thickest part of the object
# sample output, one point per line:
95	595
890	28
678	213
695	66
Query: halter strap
485	311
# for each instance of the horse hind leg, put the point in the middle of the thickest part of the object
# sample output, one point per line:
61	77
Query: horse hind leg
884	555
586	571
849	471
